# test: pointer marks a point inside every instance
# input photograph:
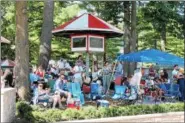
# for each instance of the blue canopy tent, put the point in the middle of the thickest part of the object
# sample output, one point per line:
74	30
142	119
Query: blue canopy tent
152	56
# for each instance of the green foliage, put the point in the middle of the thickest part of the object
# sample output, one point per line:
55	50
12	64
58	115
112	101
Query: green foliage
155	15
110	11
151	16
22	109
8	28
35	114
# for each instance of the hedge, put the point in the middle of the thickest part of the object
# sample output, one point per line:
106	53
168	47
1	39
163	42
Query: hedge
35	114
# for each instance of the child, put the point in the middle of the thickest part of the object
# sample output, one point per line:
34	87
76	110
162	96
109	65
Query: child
126	82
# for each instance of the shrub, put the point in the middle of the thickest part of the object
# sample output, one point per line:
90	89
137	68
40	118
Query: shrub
35	114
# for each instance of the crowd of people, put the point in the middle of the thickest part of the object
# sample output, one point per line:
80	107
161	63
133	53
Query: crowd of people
62	73
155	80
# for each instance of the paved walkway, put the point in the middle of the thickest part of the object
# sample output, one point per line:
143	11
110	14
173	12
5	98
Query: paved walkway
163	117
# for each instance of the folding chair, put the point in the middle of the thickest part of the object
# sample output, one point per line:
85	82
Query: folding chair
86	89
51	85
171	92
118	79
76	92
94	91
133	94
42	102
119	91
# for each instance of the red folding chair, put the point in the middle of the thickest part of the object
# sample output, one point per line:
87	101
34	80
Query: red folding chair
117	81
86	89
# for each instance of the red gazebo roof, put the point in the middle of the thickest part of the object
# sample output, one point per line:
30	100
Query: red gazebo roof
87	23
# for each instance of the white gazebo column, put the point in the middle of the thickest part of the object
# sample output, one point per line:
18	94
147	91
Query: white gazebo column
8	104
87	63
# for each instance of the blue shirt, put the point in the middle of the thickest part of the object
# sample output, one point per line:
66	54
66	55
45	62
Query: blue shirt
60	85
119	70
33	77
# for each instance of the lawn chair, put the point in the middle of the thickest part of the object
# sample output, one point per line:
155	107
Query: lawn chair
86	89
174	92
133	94
94	91
119	91
171	92
76	92
41	102
51	85
118	79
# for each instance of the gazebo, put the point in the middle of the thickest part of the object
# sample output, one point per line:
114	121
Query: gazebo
87	33
4	40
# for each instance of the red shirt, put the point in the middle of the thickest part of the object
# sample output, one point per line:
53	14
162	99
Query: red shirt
40	74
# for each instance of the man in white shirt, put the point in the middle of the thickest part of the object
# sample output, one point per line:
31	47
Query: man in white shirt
60	63
67	65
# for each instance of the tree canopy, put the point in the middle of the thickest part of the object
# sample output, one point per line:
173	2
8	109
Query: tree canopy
151	18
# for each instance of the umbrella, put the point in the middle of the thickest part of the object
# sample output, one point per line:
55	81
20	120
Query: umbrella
4	40
7	63
152	56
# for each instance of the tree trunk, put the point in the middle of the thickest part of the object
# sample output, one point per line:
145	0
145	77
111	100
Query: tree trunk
105	54
184	29
163	37
21	69
127	34
46	35
155	44
133	36
104	57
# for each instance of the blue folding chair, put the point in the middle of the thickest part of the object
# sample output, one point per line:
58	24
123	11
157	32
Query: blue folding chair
94	91
175	90
35	100
172	93
133	94
164	88
76	92
119	91
168	87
